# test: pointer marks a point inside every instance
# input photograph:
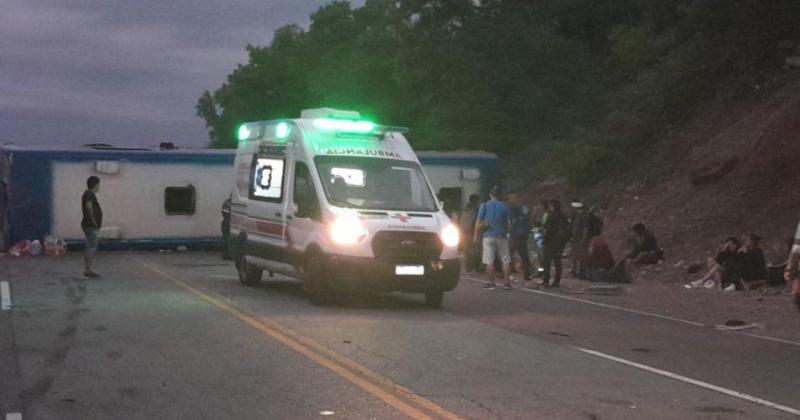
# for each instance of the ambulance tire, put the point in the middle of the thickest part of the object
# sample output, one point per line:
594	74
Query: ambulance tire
315	282
249	275
434	298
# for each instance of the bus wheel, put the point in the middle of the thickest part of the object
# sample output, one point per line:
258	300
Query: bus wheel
249	275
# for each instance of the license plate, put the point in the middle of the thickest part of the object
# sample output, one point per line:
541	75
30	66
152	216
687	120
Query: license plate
409	270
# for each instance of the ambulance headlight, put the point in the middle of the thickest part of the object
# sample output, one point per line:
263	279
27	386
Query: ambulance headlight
347	229
450	236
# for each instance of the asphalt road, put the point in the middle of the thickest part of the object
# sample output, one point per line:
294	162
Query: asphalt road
175	336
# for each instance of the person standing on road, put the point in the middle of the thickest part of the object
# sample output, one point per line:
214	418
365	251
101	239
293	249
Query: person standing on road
520	231
226	229
556	236
791	273
466	221
579	241
493	224
92	220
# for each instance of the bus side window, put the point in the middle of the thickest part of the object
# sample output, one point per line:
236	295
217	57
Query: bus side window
304	195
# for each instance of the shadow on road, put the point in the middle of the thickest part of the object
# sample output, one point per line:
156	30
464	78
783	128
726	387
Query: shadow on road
347	299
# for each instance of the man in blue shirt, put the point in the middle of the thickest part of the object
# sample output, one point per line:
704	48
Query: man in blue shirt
520	231
493	223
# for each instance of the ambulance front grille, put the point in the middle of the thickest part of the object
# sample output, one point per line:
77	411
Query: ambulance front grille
394	245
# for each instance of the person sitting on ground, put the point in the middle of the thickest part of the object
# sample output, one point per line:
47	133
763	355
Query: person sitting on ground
646	250
748	269
599	260
726	253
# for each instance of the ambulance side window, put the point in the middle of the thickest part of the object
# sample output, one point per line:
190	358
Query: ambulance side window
304	195
266	179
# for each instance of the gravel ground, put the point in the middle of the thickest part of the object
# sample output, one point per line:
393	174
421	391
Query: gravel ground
770	309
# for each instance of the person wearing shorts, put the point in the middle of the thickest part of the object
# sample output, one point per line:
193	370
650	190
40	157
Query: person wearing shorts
91	222
493	225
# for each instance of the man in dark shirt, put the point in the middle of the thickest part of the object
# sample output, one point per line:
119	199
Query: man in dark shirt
520	232
226	228
92	220
556	235
646	250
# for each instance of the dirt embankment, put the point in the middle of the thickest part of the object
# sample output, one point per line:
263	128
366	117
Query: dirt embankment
734	168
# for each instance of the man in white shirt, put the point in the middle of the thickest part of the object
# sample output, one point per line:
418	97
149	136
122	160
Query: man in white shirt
791	274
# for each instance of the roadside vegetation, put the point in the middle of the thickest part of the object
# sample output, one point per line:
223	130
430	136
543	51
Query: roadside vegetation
558	88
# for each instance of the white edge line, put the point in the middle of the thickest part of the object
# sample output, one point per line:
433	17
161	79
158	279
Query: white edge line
695	382
604	305
14	416
5	296
650	314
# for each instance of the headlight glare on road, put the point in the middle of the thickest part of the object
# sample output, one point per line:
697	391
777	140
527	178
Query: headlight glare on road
347	229
450	236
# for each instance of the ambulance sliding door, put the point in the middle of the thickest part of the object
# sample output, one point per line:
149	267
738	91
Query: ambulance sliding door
266	207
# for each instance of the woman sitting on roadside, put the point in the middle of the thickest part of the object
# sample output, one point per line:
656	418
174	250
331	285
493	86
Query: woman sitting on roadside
598	260
726	253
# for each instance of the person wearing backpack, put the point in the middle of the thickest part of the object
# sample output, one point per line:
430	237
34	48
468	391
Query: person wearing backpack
556	236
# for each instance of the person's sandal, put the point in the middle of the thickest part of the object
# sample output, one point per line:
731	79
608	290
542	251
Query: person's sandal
507	287
91	274
489	286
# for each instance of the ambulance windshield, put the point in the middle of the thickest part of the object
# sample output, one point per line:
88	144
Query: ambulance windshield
375	184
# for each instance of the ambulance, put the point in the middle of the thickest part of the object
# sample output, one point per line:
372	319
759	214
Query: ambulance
340	203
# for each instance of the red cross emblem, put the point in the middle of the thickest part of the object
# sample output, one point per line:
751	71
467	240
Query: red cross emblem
401	217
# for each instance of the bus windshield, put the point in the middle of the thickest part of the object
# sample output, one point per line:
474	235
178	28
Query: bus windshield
374	183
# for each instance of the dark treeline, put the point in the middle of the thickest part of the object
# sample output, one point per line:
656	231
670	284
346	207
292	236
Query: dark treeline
583	83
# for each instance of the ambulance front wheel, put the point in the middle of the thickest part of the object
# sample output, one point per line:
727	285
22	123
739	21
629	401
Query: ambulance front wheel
249	274
434	298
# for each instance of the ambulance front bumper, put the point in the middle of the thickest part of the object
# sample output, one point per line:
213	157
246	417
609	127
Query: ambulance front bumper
359	273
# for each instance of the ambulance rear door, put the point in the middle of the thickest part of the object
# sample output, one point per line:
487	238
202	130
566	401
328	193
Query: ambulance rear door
267	205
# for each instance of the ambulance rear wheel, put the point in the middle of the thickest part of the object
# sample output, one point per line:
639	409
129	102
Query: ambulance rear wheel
249	274
315	281
434	298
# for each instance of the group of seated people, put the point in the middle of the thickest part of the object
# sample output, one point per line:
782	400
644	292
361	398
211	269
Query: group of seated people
737	266
598	264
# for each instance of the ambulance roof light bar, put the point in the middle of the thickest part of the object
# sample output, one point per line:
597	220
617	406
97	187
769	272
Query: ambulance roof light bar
341	114
254	130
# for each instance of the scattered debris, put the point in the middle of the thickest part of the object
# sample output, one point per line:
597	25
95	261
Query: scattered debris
326	413
735	325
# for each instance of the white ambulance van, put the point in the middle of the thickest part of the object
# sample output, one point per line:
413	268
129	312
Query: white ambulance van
340	203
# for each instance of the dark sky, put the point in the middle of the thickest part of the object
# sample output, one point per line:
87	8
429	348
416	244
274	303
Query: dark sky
124	72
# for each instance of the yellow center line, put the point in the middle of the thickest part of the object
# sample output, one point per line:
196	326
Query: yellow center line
403	399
